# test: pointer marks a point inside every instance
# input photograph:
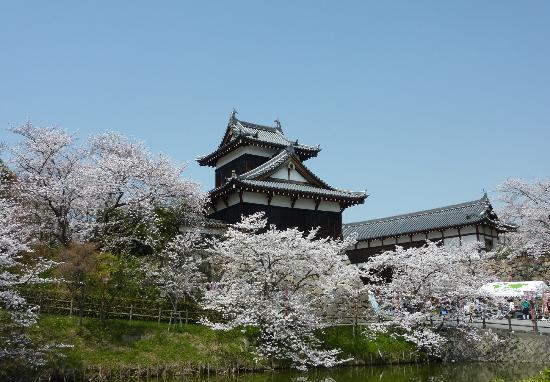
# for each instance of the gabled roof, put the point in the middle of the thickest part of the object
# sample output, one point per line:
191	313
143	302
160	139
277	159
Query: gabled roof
458	215
259	180
347	198
283	158
271	165
242	133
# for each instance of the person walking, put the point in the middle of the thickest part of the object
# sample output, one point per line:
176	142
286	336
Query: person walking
468	310
547	309
511	308
525	305
477	304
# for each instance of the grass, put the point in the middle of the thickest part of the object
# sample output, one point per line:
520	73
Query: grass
142	347
116	344
543	377
384	349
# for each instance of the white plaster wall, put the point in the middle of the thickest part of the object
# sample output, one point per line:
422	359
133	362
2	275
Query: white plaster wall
280	201
233	199
403	239
305	204
435	235
451	232
467	230
282	173
261	151
389	241
376	243
362	244
326	205
277	200
254	197
419	237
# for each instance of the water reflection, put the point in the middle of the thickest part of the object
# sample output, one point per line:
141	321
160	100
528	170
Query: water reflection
393	373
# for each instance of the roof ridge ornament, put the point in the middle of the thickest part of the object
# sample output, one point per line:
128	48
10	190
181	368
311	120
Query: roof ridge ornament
233	116
278	125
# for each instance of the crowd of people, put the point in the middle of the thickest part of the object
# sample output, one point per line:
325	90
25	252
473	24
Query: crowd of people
523	309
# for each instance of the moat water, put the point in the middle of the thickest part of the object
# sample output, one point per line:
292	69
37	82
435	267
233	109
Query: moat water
473	372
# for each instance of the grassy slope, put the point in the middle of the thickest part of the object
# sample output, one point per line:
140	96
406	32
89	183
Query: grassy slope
122	344
543	377
119	344
364	351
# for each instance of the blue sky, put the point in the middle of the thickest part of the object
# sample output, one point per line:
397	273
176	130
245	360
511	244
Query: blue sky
422	103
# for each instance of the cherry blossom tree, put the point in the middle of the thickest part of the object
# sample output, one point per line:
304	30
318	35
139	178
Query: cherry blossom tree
177	271
528	206
48	166
15	234
111	190
286	283
424	280
131	183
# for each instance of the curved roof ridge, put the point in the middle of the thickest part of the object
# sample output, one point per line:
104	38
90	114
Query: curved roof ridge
279	159
299	187
267	166
419	213
252	125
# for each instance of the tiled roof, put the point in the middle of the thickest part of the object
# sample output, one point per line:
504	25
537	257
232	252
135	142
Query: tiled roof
275	162
259	132
265	134
253	179
267	167
243	132
304	188
457	215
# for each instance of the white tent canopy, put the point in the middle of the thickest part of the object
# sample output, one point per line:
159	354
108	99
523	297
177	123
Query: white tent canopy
513	289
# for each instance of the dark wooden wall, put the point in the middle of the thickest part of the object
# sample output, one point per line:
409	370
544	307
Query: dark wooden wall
330	223
242	164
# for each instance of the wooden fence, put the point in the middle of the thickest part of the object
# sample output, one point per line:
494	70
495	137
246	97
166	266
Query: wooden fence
145	310
137	309
160	311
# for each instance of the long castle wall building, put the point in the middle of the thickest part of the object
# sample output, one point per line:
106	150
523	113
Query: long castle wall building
258	168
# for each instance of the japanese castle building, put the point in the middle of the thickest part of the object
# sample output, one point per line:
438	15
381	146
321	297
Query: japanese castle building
452	225
259	169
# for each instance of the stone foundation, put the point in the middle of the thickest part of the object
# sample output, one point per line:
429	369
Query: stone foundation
510	347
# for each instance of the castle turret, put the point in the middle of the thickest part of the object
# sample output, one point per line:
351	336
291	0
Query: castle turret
259	169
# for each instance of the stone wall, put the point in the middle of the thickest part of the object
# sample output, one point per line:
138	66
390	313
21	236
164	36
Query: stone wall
508	347
522	268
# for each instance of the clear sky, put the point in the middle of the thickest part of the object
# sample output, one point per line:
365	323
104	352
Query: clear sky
422	103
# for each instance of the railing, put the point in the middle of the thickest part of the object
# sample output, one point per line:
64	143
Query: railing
506	323
160	311
145	310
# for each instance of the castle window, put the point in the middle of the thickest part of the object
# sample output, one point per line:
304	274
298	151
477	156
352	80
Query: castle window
290	169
